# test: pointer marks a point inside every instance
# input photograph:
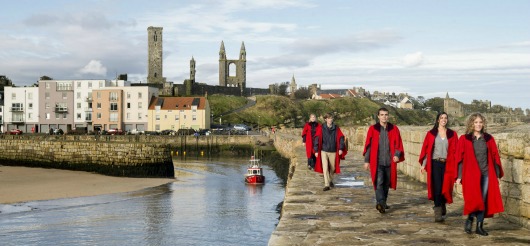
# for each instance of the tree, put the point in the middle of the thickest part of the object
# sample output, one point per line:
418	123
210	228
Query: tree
436	104
5	81
46	78
302	93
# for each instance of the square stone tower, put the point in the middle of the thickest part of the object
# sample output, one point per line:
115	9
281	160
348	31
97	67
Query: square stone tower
154	55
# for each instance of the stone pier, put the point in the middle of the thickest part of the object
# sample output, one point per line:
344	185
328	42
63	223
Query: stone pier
346	215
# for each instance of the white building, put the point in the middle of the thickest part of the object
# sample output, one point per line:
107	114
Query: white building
136	106
21	108
83	101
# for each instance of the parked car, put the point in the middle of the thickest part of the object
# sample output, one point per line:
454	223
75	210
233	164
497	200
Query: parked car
135	132
241	127
58	131
168	132
204	132
15	132
186	131
115	131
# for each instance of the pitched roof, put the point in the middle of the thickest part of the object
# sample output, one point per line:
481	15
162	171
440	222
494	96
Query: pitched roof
329	96
178	103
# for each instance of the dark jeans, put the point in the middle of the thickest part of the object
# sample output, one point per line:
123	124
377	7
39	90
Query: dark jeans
484	185
382	183
312	161
437	178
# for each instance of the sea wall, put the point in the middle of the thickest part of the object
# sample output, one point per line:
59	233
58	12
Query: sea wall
514	148
131	156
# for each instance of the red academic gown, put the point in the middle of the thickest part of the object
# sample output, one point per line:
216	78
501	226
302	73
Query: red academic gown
450	164
309	151
471	176
318	166
372	140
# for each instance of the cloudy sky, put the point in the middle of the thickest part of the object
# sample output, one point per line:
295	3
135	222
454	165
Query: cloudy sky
471	49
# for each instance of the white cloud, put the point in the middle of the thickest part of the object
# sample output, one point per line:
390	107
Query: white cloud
413	59
94	67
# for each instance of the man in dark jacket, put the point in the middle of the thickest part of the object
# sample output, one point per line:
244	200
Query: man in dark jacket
330	148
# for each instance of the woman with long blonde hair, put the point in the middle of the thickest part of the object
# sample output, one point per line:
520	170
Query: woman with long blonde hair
479	171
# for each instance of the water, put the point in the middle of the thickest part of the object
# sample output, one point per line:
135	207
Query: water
209	204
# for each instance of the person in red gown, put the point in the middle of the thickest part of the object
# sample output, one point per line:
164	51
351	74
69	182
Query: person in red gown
437	158
383	149
308	133
479	171
330	148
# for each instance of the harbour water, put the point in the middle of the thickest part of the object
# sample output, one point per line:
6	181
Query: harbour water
208	204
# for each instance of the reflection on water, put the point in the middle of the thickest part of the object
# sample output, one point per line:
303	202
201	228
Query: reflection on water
208	204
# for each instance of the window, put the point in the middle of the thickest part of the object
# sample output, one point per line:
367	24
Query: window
194	109
64	115
113	106
30	105
30	95
165	117
47	95
61	107
139	105
128	95
184	116
79	105
128	105
98	115
139	116
100	84
78	116
13	96
47	105
139	95
113	96
157	108
99	105
194	117
79	95
57	116
128	116
157	127
176	117
64	95
17	107
98	95
30	116
47	116
47	85
157	117
78	84
89	84
169	111
114	117
64	86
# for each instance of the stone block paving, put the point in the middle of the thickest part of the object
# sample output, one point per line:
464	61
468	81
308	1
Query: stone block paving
346	215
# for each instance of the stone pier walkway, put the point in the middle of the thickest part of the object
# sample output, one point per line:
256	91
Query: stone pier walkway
346	215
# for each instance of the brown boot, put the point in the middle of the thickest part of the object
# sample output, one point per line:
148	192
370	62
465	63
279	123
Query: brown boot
438	214
444	209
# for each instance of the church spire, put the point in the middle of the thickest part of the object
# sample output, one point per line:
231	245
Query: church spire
447	95
222	52
243	52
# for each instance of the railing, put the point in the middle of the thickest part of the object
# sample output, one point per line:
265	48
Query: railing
16	109
88	99
88	119
87	109
61	109
17	120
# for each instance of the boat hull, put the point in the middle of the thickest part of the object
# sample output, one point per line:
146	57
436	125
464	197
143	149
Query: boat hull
255	179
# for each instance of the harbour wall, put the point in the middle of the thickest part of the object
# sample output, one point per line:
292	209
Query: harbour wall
513	144
129	156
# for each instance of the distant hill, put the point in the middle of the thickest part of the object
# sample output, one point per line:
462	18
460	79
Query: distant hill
272	110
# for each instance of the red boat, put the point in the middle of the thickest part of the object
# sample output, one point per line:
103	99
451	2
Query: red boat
254	172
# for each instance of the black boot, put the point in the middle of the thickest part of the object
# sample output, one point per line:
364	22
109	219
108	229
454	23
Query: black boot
444	209
469	223
480	230
438	214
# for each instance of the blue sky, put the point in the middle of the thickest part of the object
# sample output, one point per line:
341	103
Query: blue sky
471	49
